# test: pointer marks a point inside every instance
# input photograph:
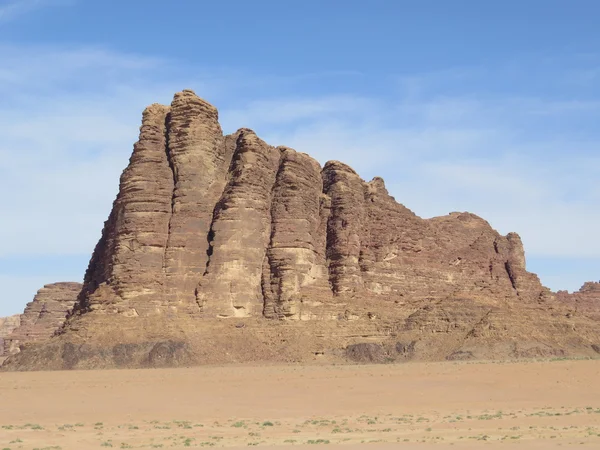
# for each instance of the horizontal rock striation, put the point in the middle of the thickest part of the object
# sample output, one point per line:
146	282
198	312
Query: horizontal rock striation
295	278
239	233
209	227
43	316
585	302
7	325
228	226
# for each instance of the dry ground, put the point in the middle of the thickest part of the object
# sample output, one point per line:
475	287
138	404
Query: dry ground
421	405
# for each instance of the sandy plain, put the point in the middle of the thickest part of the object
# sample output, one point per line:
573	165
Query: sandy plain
528	405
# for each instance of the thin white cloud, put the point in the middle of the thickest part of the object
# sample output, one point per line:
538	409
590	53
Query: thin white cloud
14	9
68	122
280	112
69	118
41	69
514	194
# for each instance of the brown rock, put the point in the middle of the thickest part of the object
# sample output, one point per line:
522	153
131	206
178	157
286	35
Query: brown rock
199	160
7	325
43	316
239	235
345	226
295	262
366	353
126	272
309	261
584	302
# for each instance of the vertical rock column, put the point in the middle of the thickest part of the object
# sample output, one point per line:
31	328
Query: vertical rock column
344	226
199	159
294	259
125	273
516	253
509	268
240	232
524	282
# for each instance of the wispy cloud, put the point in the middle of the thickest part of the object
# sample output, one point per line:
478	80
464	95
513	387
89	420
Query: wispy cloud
292	110
69	117
68	122
12	10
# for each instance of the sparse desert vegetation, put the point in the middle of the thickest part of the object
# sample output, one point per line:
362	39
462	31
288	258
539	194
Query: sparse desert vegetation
454	404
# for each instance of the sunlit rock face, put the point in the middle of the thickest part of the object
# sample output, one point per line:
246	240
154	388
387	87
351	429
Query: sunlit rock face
43	316
229	226
224	248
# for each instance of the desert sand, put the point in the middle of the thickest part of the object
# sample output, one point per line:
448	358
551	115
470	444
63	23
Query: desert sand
535	405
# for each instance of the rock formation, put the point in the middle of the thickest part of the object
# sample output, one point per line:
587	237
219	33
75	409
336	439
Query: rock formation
303	260
585	302
43	316
7	325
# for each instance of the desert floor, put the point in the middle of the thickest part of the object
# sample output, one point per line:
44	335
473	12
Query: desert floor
420	405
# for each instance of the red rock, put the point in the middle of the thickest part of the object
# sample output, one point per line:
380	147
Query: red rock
295	267
239	235
43	316
7	325
309	261
584	302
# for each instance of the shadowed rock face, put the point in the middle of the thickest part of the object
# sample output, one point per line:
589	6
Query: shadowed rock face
208	227
43	316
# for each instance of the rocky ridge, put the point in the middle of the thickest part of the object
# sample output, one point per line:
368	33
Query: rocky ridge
585	302
43	316
224	248
7	325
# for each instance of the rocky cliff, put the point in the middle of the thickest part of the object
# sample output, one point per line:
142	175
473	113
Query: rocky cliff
224	248
7	325
584	302
43	316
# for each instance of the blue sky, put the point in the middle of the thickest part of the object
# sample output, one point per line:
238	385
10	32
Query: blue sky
489	107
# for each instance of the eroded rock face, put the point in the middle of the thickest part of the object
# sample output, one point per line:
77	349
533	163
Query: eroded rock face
239	235
295	266
307	259
584	302
227	226
7	325
43	316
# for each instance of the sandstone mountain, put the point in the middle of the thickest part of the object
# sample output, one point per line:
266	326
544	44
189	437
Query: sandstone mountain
226	249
